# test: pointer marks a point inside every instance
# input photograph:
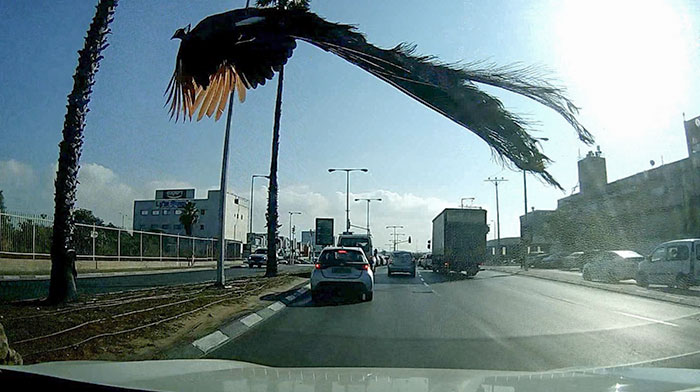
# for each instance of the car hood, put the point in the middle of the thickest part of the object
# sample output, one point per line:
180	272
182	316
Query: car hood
220	375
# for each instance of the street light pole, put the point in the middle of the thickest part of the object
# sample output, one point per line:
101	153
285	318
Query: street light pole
368	200
250	213
347	193
220	278
495	182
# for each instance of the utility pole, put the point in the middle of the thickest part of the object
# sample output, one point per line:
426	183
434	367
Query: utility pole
368	200
495	182
347	193
394	227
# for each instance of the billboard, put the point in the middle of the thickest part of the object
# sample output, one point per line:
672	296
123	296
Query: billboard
324	231
174	194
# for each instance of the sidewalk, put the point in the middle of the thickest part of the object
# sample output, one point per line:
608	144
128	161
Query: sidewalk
690	297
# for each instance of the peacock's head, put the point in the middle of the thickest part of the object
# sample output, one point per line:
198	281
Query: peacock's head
181	33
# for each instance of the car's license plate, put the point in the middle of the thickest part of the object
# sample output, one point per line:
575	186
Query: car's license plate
341	270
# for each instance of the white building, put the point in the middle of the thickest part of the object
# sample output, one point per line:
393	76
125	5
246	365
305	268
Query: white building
163	214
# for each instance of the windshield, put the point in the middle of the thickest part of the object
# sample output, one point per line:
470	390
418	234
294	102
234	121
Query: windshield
402	258
173	169
335	257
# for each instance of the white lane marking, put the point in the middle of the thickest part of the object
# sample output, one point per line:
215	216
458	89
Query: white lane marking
426	285
251	320
290	298
210	341
646	318
277	306
10	277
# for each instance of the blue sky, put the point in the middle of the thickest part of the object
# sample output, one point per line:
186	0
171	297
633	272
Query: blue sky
628	64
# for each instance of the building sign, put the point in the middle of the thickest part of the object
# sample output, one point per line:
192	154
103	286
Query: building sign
174	194
171	203
324	231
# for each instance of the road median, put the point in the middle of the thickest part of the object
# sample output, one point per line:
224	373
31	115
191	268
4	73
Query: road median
143	324
661	293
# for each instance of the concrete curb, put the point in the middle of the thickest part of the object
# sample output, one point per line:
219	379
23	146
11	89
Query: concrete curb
232	330
636	291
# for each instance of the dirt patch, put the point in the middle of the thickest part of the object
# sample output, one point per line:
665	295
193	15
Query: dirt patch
132	325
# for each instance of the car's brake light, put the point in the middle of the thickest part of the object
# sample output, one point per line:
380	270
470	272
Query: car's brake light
318	266
342	251
365	267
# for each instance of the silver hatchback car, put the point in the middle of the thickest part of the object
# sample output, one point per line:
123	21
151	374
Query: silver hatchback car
342	269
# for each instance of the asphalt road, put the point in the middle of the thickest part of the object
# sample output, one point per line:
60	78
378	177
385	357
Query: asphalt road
495	321
38	288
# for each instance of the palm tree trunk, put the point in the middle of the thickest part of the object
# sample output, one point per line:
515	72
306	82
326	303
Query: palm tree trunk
63	273
272	210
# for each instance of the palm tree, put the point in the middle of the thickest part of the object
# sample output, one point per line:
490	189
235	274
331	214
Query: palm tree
63	273
189	217
272	215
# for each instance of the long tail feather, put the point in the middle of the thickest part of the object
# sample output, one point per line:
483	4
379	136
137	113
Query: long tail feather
449	89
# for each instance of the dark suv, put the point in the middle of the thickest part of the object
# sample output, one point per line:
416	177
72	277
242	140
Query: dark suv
258	259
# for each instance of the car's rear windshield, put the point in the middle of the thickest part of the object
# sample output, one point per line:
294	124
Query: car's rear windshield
402	258
355	242
340	256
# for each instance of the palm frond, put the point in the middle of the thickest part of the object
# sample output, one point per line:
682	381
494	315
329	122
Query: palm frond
451	90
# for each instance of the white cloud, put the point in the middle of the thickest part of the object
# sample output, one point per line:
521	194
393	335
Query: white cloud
414	212
18	182
100	189
108	195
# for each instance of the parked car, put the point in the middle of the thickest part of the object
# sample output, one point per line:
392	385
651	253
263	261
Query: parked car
535	259
571	261
258	258
426	262
553	260
612	265
402	262
341	270
673	263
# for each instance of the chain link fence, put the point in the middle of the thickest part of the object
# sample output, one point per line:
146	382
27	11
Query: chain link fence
29	237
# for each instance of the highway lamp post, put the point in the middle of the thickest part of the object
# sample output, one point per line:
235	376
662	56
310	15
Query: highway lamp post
394	227
368	200
291	233
495	182
250	213
220	278
347	193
